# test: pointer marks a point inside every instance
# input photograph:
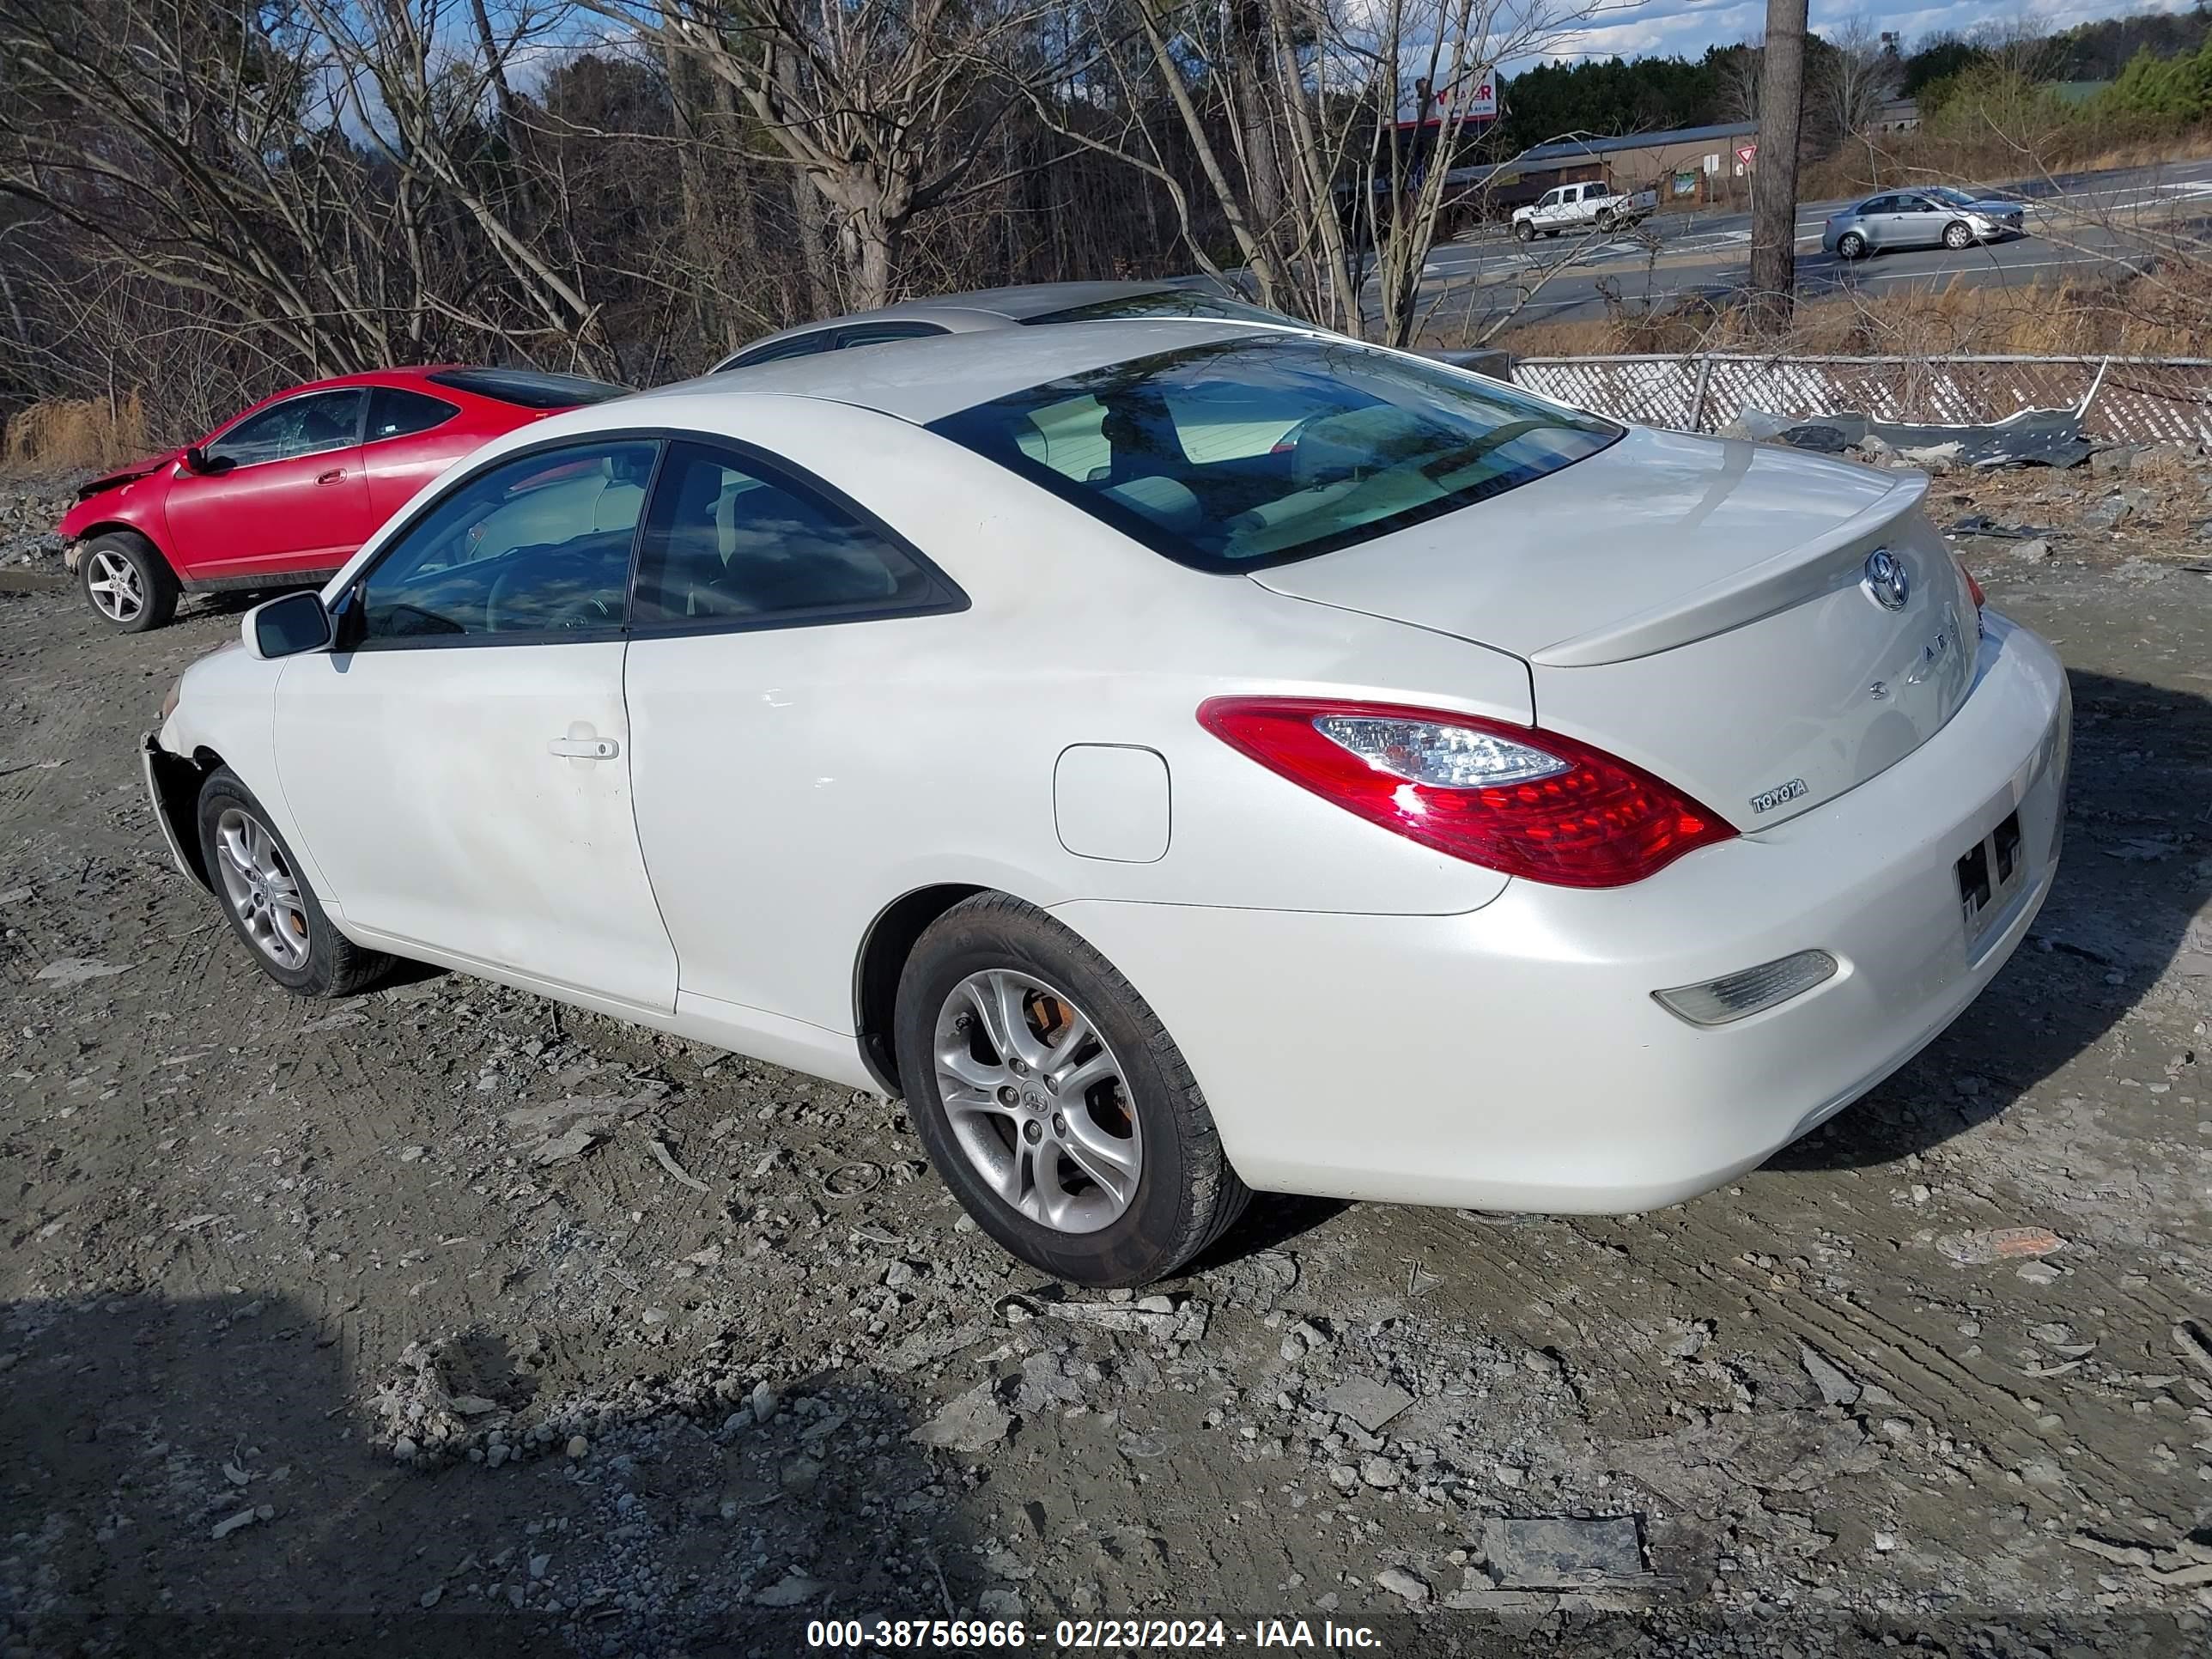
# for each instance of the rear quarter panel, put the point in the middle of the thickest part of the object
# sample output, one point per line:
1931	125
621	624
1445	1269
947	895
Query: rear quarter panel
792	782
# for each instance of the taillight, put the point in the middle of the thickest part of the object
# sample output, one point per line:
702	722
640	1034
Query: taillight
1973	590
1521	801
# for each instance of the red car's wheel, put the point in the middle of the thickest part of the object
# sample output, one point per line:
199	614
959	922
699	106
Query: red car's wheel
130	585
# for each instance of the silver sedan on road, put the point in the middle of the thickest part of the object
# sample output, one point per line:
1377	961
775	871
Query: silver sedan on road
1937	216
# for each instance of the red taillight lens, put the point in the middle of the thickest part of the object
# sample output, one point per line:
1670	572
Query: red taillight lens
1973	587
1559	811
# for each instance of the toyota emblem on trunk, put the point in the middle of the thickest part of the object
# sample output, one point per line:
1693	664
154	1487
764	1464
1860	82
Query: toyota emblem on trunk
1885	580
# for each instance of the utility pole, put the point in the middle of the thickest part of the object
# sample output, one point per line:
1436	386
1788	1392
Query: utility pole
1774	175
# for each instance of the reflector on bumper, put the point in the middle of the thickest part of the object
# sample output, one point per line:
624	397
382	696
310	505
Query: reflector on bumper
1740	994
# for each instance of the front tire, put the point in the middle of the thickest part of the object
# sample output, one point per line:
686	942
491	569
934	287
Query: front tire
128	584
1958	235
1054	1103
1525	232
269	903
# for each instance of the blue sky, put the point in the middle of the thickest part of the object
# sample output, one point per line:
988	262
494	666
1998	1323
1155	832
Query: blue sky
1686	27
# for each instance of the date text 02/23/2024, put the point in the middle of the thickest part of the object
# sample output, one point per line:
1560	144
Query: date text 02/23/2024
1088	1634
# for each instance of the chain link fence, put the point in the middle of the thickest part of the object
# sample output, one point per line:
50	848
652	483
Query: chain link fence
2121	399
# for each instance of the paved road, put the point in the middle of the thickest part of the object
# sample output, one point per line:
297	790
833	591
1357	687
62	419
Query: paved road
2084	221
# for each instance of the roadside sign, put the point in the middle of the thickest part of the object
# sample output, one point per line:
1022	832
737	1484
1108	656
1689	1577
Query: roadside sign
1474	98
1744	153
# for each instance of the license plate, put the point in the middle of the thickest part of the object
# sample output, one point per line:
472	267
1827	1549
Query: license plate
1989	874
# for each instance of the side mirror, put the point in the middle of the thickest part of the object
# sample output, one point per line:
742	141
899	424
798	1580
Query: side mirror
287	627
195	459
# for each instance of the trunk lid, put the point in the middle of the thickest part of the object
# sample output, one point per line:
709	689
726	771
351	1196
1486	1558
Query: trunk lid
1701	607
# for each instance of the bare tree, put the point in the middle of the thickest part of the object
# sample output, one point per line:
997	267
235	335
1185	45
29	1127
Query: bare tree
1741	71
1360	192
1857	76
882	106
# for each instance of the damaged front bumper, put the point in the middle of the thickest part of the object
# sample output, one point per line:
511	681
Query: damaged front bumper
170	782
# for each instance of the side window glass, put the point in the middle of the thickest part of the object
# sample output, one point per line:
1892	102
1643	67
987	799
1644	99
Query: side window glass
731	540
805	346
875	333
536	545
396	412
299	426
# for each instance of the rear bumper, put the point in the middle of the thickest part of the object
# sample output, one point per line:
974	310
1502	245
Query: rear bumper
1513	1057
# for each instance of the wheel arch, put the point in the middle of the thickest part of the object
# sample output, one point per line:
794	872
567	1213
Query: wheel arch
884	947
176	782
93	532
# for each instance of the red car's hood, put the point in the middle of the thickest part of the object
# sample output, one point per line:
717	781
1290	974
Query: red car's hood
115	478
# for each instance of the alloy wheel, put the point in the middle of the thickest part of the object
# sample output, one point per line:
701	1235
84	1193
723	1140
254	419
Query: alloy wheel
262	890
115	587
1037	1101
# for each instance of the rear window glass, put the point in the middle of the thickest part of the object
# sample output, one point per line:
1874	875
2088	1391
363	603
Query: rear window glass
527	388
1165	302
1247	453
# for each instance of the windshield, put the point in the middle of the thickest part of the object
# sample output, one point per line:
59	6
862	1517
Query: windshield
528	388
1165	302
1257	451
1956	198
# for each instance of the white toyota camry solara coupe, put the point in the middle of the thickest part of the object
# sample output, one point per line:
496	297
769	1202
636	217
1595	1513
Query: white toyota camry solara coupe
1178	757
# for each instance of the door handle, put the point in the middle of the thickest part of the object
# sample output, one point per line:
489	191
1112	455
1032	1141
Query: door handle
336	475
584	748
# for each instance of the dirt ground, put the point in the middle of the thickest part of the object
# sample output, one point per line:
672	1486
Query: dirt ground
312	1341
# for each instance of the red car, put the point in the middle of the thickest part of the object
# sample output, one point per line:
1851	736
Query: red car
282	495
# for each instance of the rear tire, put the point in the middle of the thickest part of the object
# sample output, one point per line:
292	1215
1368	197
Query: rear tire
1102	1087
1957	235
1852	246
127	582
268	900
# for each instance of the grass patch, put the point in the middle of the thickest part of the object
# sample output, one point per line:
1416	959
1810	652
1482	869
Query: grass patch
68	435
2166	313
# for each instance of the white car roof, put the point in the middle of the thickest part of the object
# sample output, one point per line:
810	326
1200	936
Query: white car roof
922	379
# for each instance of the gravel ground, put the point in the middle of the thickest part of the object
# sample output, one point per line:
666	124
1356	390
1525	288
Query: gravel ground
319	1331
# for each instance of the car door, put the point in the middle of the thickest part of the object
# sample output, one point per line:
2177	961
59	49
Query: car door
1876	219
411	438
458	763
1919	223
281	492
771	615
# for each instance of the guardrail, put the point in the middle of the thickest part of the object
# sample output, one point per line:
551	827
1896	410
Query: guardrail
2119	399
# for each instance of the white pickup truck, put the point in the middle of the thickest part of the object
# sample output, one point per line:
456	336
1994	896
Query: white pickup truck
1581	207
